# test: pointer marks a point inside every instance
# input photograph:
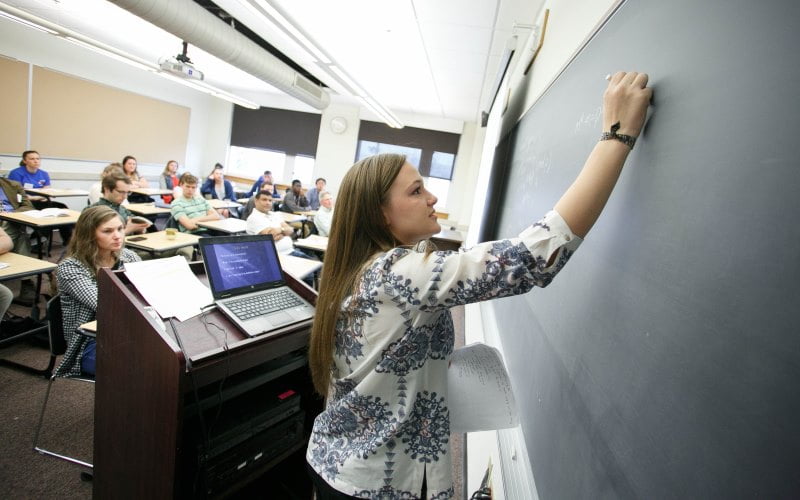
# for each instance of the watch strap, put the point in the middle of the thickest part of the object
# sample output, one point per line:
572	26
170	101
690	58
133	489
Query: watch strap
628	140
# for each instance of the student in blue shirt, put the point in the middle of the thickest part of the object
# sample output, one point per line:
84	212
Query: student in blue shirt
216	187
30	175
267	177
313	193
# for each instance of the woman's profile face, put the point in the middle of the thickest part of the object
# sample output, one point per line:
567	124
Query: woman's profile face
173	166
218	175
129	166
110	235
409	209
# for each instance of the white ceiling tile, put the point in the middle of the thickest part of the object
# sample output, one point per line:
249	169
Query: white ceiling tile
476	13
440	35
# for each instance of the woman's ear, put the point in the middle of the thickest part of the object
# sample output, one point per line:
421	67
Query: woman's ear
386	219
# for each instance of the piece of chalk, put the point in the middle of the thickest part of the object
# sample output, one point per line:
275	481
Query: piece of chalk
608	77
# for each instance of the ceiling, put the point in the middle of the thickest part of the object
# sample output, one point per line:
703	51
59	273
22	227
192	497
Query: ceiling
419	58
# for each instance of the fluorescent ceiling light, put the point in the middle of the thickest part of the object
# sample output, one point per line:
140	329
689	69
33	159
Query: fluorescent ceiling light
25	22
287	25
335	71
349	82
127	59
209	89
382	113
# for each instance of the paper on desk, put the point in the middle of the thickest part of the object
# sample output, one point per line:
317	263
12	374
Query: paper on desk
479	391
3	265
46	212
169	286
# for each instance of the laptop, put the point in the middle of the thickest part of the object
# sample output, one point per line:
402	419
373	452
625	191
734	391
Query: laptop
247	283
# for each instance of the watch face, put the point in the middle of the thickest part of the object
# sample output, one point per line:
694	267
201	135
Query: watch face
338	125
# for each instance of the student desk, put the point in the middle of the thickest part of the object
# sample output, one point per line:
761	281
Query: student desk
299	267
56	193
151	382
151	191
90	327
227	226
157	242
313	242
147	209
220	204
289	218
20	266
42	224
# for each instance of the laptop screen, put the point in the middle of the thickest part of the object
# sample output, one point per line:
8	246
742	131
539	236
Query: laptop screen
241	264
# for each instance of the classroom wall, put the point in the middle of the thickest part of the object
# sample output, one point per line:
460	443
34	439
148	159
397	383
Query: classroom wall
209	122
569	24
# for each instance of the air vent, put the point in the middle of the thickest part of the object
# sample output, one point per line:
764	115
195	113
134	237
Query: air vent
308	86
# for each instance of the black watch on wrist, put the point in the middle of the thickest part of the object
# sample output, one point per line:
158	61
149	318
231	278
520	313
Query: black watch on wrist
628	140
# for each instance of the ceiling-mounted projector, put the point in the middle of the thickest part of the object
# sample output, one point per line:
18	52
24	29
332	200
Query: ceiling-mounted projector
180	68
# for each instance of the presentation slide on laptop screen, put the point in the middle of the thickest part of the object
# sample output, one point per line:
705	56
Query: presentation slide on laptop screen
235	265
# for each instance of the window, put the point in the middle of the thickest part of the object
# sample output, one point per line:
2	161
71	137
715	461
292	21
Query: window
370	148
442	165
304	169
251	162
440	188
437	183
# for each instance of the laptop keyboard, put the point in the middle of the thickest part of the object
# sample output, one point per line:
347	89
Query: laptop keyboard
259	305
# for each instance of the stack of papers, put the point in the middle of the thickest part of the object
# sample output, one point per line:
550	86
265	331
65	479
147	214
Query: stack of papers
479	391
170	287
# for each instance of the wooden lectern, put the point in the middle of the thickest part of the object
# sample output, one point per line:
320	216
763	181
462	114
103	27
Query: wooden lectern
149	441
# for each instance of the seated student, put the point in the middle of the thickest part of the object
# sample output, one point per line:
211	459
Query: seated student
131	169
295	200
30	175
248	207
313	193
188	210
6	295
96	189
324	215
14	199
266	178
169	180
116	187
264	221
217	188
99	242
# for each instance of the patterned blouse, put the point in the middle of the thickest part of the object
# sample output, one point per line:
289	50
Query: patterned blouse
386	423
78	289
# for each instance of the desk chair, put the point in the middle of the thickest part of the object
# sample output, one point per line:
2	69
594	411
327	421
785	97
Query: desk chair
58	345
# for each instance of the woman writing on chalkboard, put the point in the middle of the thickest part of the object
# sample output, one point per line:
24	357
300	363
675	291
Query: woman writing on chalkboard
383	334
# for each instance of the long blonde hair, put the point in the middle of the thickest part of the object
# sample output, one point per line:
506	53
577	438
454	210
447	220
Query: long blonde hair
358	232
83	244
166	171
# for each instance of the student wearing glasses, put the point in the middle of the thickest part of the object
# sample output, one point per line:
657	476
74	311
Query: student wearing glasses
116	187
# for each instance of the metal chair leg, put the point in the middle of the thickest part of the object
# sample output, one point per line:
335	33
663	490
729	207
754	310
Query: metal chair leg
39	428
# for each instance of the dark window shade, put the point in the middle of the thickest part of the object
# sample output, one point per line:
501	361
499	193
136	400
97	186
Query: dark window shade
429	141
290	132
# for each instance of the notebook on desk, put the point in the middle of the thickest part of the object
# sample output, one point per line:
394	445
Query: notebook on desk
245	277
